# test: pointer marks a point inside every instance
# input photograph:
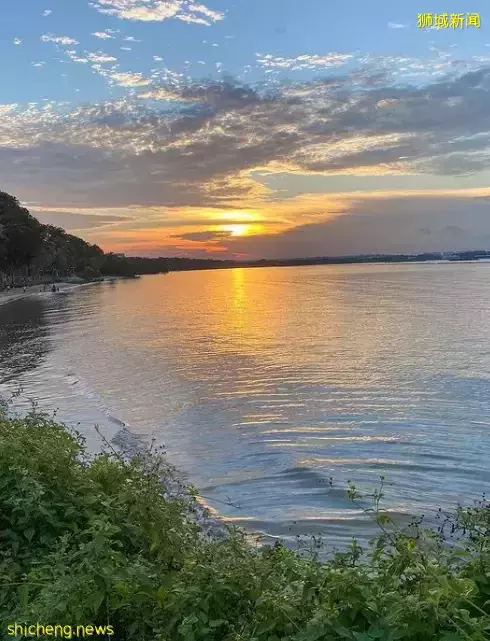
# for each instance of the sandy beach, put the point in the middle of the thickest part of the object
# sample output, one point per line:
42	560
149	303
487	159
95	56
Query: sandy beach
36	290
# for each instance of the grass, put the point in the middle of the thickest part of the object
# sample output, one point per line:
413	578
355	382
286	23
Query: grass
95	541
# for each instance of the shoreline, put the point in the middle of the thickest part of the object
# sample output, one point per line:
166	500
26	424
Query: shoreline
36	290
175	485
127	445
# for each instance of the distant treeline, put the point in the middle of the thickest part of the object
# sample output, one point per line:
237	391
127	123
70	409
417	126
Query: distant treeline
33	252
185	264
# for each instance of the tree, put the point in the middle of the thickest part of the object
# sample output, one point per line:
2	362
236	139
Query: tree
21	234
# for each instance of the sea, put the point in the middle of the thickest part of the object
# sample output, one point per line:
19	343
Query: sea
273	388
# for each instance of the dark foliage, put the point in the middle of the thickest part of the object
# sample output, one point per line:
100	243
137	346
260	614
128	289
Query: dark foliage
96	541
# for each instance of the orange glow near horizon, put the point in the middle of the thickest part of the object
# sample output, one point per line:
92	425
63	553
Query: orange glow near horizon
239	230
195	229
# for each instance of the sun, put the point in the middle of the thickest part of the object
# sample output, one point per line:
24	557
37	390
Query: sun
238	229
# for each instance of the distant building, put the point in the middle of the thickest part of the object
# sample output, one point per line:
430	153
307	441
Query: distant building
120	255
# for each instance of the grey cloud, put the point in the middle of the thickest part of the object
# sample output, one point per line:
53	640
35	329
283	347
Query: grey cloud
204	236
382	226
73	221
190	152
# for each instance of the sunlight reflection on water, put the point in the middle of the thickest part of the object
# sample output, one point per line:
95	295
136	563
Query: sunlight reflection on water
263	383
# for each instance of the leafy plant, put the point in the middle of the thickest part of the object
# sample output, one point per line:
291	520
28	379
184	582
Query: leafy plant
96	540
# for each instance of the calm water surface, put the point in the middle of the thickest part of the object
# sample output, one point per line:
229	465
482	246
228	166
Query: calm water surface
263	383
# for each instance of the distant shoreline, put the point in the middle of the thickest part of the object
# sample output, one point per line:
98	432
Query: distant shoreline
196	264
192	264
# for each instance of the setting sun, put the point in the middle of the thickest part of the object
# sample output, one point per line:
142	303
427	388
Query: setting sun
239	229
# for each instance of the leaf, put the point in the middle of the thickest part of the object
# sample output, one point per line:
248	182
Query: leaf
95	600
315	633
265	626
99	541
411	545
29	533
161	593
24	595
384	519
216	623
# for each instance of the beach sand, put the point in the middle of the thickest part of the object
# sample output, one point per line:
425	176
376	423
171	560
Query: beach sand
35	290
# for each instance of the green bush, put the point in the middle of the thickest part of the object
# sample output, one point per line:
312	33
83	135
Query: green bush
95	541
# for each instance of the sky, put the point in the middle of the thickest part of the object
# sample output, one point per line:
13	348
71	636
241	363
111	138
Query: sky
248	130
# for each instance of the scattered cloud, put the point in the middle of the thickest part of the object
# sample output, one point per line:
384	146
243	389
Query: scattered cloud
199	145
130	79
158	10
5	109
17	41
214	16
47	12
59	40
161	93
103	35
304	61
397	25
175	148
75	57
99	57
191	18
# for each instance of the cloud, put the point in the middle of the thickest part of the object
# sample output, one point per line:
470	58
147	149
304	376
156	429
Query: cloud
75	57
128	79
204	236
195	19
158	10
304	61
99	57
59	40
103	35
17	41
47	12
396	225
162	93
397	25
5	109
214	16
213	144
71	221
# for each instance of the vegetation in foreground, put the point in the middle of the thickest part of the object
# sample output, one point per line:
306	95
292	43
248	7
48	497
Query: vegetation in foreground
95	541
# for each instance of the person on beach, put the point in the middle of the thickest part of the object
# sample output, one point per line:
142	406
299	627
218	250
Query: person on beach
53	288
